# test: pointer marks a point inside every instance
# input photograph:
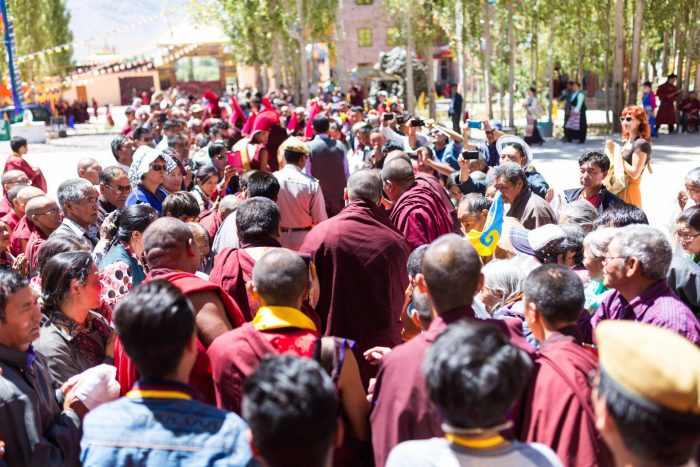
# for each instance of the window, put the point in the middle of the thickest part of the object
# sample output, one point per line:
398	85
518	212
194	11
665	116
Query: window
364	2
364	37
393	37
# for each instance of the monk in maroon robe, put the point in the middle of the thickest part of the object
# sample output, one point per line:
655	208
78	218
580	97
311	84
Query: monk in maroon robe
360	259
558	410
10	179
667	93
401	410
16	162
42	217
418	211
172	255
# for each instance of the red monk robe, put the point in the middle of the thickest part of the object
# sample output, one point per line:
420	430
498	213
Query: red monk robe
11	219
17	163
558	411
667	93
211	220
21	235
34	244
433	183
401	410
200	378
5	206
421	215
360	260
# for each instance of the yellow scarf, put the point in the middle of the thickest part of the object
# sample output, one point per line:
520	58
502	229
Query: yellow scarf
277	317
474	443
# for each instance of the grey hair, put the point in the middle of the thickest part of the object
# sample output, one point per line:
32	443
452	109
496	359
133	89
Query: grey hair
365	184
72	190
649	246
693	176
511	171
582	213
503	277
596	242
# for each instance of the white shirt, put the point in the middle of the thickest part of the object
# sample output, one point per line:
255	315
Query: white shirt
300	199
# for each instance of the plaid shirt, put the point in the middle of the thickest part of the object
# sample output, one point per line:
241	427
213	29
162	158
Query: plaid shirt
657	305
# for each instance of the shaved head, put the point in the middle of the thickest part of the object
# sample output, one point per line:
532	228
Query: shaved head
399	171
452	272
365	184
86	162
44	213
12	176
23	197
396	154
168	243
281	277
228	204
38	205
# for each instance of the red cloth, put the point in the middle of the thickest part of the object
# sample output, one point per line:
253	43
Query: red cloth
34	244
401	410
17	163
315	108
126	130
211	220
292	124
432	182
666	115
248	127
277	136
421	215
11	219
360	260
236	354
236	112
22	231
5	206
265	120
554	415
233	268
212	103
200	378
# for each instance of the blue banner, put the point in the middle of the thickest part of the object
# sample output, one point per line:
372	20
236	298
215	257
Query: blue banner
11	56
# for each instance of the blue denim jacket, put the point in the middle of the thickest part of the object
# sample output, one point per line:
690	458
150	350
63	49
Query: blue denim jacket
140	430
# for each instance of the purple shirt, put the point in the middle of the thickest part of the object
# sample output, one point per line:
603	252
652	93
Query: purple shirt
657	305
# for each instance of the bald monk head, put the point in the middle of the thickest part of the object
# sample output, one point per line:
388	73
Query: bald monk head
201	239
44	213
397	154
23	196
365	184
12	178
451	273
89	169
280	278
228	205
257	219
398	178
168	243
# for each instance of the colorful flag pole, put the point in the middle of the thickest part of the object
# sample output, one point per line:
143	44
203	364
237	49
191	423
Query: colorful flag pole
486	242
11	55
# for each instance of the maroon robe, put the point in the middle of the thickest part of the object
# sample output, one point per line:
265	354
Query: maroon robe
22	231
554	414
211	220
17	163
233	268
31	251
433	183
11	219
667	109
5	206
401	410
360	258
421	215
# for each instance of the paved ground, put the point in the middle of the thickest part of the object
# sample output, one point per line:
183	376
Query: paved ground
673	156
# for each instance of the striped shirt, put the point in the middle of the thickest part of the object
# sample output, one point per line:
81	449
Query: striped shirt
657	305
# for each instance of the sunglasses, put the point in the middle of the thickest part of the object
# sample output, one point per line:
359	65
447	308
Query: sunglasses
625	119
158	168
122	189
490	132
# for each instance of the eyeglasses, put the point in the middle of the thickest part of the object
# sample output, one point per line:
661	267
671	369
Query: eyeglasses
22	181
625	119
158	168
686	237
607	259
120	189
50	212
490	132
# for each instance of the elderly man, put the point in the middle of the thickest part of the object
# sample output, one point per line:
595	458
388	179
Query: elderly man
636	266
114	190
8	180
300	198
89	169
78	201
214	218
360	258
646	396
594	167
418	211
123	151
43	217
18	196
531	210
17	219
328	164
40	426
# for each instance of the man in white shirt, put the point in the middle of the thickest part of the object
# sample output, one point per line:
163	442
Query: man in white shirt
300	199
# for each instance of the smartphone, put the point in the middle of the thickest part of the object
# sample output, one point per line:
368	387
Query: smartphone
234	160
162	117
470	155
474	124
388	116
417	122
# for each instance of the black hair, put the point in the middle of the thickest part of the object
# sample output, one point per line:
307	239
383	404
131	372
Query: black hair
134	218
690	217
205	172
10	282
647	84
117	144
415	260
13	192
140	131
216	149
391	146
58	273
321	124
290	405
621	215
597	158
574	239
557	292
292	157
17	143
658	434
474	375
257	217
176	138
155	322
220	125
533	90
180	204
108	174
475	202
60	243
264	184
169	124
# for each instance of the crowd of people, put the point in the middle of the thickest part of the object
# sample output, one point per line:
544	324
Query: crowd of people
251	283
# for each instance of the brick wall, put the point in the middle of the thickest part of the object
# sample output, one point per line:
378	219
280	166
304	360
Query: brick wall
372	16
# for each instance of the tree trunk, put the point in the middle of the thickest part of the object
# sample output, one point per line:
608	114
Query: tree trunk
550	71
487	57
410	46
697	76
341	70
304	80
619	65
666	52
276	65
606	64
459	30
511	65
430	70
636	52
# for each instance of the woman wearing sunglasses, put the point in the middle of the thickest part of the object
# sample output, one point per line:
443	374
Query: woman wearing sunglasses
636	151
147	174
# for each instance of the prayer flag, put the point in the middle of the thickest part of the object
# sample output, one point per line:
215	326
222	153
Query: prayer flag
486	242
